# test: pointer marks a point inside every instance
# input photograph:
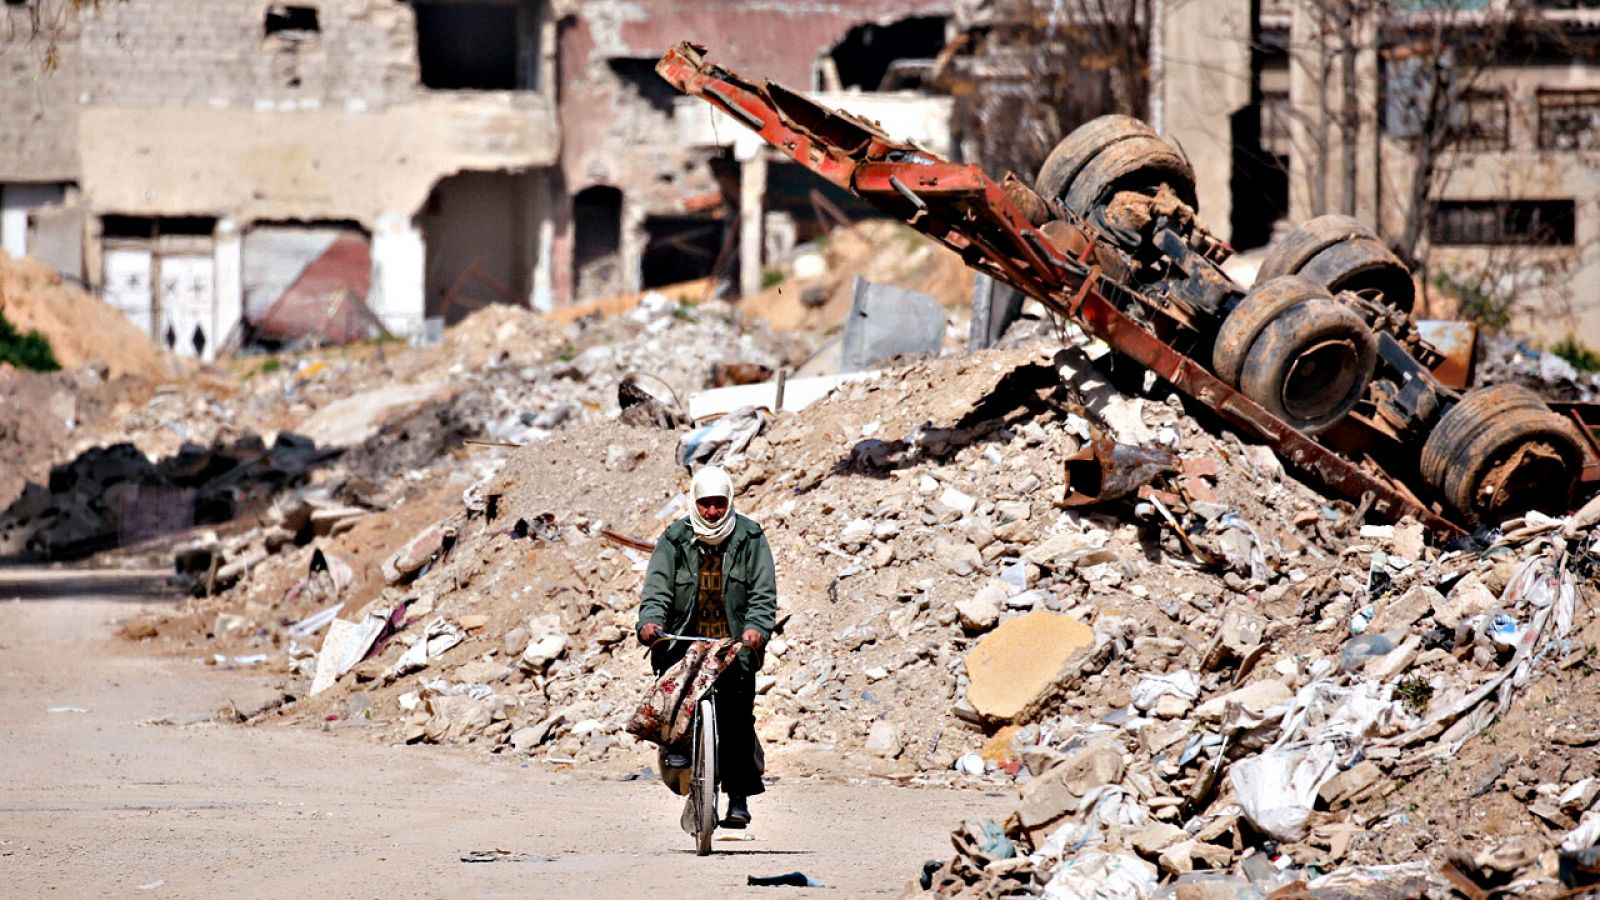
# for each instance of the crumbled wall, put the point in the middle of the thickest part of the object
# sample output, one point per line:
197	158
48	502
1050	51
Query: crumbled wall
612	132
215	54
38	129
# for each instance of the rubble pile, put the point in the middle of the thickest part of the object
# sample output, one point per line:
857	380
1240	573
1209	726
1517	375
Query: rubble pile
1502	358
112	496
37	413
819	277
1254	761
80	327
1200	675
505	376
1222	678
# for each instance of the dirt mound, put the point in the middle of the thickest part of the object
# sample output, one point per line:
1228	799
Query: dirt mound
79	326
882	252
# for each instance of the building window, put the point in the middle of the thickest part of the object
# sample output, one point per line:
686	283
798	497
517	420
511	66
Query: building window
641	78
1481	122
478	45
291	21
880	57
1545	223
1568	120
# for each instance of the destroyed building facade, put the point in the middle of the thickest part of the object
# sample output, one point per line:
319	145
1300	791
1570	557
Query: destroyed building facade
321	168
200	164
1289	111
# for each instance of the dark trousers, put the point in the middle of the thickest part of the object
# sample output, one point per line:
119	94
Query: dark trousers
739	755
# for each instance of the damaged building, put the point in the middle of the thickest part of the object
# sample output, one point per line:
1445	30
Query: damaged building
298	165
247	170
327	169
1470	145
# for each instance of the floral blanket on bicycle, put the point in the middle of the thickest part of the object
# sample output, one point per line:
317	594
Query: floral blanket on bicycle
668	708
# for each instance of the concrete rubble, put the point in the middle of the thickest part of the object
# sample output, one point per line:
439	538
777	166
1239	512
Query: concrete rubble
1217	683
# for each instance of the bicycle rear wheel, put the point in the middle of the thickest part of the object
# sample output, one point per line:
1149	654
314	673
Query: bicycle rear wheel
705	776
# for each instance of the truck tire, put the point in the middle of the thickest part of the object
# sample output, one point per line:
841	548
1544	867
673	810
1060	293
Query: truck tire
1342	254
1307	240
1500	452
1069	156
1311	364
1265	302
1137	163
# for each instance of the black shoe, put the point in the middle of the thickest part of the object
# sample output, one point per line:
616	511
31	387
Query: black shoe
676	761
738	813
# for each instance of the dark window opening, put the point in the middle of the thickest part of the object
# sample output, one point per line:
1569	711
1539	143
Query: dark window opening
1481	122
1569	120
640	77
292	21
1545	223
879	57
597	240
1260	179
476	46
151	227
16	2
683	248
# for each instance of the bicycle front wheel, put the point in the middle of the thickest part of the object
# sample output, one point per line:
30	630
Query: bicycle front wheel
705	776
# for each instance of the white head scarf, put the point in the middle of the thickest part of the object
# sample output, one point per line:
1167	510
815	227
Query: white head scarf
711	481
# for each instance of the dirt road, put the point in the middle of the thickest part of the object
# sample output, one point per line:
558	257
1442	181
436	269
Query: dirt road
96	801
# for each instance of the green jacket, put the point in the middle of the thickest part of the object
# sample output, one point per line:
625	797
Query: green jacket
672	582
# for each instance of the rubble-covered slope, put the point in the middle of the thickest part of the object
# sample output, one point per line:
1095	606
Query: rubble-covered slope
1268	685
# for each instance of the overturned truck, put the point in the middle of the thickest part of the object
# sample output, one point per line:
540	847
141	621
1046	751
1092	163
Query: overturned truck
1321	358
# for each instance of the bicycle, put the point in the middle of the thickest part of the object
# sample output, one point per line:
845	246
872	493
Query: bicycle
700	806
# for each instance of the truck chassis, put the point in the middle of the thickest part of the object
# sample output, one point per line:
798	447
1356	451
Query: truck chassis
1109	238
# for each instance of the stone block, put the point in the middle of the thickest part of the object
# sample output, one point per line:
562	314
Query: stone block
1022	660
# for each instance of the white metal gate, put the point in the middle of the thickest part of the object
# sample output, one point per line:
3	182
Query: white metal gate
188	301
128	284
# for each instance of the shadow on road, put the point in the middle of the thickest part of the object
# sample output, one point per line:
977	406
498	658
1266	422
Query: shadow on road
123	585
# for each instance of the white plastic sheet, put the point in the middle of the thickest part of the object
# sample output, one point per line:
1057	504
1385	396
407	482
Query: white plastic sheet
436	639
1097	875
347	643
1182	683
710	444
1324	725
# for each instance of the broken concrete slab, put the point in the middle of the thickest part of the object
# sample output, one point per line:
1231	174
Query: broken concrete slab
1348	785
1400	613
981	611
1470	597
798	393
1021	661
883	739
352	420
1156	837
1255	697
887	321
427	547
1062	789
547	643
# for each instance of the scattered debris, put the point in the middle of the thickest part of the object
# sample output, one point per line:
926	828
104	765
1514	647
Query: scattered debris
788	879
